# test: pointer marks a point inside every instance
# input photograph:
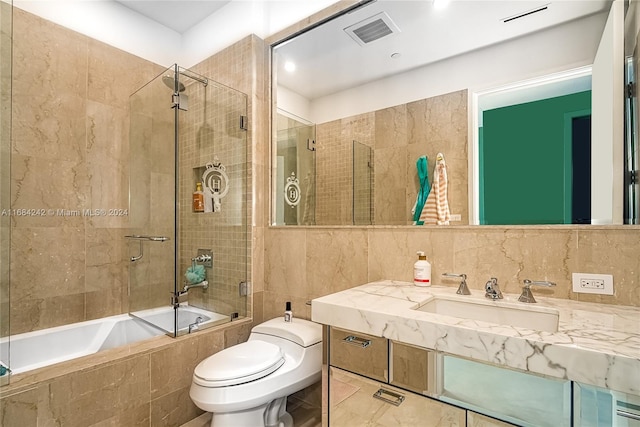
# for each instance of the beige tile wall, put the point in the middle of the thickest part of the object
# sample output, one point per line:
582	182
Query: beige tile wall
305	263
404	133
70	152
66	157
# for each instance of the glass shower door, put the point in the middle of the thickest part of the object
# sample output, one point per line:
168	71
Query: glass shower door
152	202
188	132
213	151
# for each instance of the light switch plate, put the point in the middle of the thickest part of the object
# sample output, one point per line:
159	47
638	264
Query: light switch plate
589	283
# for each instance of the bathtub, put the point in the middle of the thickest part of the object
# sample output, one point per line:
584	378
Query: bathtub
36	349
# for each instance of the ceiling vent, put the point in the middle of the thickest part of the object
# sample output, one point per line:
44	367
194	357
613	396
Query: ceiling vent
372	29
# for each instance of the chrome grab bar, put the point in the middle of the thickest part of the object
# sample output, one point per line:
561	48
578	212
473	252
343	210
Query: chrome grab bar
141	239
149	238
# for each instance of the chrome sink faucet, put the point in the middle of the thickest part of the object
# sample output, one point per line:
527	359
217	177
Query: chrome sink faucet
462	289
492	290
527	295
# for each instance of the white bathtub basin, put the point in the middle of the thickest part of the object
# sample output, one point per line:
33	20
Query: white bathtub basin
32	350
497	312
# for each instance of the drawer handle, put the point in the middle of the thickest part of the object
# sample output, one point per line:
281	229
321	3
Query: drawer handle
626	414
352	339
396	398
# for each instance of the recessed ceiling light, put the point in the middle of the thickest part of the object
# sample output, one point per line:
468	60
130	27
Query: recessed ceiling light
440	4
289	66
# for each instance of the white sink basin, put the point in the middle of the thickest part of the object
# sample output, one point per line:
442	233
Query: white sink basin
497	312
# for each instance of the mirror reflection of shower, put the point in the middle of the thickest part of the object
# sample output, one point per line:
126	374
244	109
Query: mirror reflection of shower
296	183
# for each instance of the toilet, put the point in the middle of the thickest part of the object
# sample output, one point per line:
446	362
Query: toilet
247	385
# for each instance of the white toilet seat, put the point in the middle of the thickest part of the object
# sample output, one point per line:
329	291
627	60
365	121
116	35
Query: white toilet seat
239	364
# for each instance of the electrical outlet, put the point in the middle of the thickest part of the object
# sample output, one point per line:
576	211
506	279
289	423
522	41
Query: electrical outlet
589	283
455	217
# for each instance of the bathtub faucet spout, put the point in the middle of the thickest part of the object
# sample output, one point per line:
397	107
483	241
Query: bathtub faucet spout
175	296
204	285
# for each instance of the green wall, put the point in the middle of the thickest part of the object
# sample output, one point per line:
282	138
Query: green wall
525	161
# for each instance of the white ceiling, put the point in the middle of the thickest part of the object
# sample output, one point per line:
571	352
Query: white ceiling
179	15
328	60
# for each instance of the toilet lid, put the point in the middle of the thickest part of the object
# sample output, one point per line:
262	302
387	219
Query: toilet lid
241	363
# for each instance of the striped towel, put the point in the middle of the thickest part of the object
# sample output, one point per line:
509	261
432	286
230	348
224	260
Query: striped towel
436	210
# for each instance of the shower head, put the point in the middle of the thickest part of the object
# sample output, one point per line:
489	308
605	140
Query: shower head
171	83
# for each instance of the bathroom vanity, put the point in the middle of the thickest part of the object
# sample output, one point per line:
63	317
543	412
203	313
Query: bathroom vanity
399	354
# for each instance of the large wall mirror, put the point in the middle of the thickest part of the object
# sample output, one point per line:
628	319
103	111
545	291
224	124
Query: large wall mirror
522	100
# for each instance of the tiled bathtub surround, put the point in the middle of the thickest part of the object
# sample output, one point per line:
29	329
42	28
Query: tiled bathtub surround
142	384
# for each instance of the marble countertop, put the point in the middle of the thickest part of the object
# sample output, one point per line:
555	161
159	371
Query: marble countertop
595	344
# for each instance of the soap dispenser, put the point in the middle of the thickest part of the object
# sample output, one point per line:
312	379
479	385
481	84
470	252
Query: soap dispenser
422	271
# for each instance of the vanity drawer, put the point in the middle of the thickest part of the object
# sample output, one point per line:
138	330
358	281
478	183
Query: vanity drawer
359	401
412	368
360	353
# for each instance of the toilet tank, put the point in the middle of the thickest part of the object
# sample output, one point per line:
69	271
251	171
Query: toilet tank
302	332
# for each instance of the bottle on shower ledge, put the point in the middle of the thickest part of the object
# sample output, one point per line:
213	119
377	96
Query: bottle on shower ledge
198	198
